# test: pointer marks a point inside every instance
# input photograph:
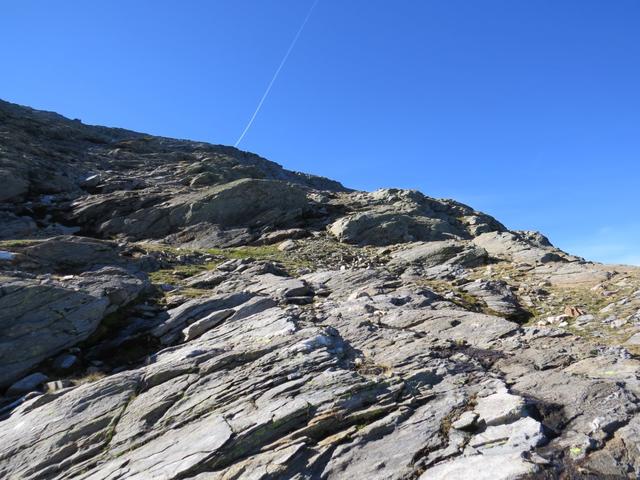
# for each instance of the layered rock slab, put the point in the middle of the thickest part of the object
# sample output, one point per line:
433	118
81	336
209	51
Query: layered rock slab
41	316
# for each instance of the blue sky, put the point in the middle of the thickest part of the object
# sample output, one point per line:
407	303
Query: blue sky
528	110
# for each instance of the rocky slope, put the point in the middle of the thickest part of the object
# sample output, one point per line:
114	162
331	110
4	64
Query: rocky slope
177	310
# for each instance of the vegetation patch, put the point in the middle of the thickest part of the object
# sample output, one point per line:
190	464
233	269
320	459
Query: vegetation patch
18	243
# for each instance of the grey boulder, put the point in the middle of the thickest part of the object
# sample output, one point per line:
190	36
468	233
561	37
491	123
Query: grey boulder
27	384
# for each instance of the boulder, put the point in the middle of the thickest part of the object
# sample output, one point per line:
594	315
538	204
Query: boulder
287	246
466	421
501	407
27	384
498	297
65	363
522	247
73	254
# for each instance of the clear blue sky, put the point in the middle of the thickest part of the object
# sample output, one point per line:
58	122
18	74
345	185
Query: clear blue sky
528	110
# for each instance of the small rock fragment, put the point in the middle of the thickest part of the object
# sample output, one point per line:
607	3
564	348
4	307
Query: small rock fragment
287	246
467	421
65	362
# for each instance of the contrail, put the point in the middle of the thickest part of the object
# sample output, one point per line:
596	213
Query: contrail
275	75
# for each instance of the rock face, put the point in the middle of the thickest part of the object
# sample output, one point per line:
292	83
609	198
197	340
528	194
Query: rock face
40	317
397	216
177	310
526	247
244	202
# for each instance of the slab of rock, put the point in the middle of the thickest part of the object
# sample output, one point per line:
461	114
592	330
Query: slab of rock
70	254
501	407
40	317
208	279
179	414
195	317
520	436
342	283
477	329
431	254
281	235
510	466
208	235
574	274
280	287
178	318
198	327
584	400
370	228
387	448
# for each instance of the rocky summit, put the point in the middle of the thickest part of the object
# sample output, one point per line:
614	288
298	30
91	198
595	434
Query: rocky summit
172	309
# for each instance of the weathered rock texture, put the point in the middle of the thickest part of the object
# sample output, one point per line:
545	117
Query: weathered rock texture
177	310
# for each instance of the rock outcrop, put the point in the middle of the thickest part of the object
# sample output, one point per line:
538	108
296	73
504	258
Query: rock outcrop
177	310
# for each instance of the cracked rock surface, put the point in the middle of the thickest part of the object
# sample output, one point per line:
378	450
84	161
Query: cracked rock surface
177	310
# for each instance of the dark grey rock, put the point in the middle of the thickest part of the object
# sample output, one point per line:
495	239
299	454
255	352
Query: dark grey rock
27	384
16	227
40	317
64	363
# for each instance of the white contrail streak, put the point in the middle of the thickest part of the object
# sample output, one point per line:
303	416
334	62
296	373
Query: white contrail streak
275	75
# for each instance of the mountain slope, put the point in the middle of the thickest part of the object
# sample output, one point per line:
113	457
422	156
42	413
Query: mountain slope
173	309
